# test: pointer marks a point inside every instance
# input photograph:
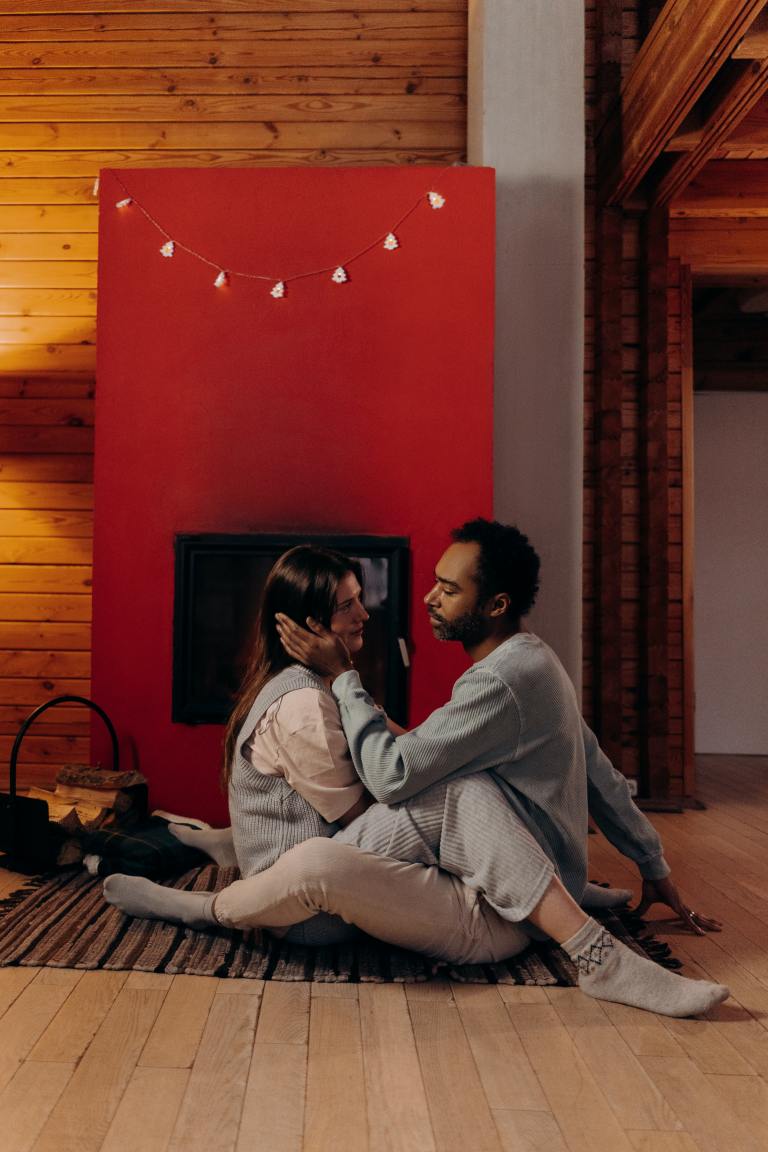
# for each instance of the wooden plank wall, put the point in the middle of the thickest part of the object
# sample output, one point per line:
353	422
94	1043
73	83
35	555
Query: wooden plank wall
141	83
633	458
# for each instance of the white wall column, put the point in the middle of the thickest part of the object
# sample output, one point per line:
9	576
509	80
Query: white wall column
526	120
730	558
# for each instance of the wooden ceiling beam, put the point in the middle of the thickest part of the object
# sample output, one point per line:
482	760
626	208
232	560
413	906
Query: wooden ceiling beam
732	279
731	378
729	113
725	188
754	46
688	43
752	133
721	248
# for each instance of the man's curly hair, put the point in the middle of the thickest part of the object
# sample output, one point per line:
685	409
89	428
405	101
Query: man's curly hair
506	563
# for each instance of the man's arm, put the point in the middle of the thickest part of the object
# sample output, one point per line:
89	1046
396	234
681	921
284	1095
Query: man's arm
463	736
478	728
620	820
617	816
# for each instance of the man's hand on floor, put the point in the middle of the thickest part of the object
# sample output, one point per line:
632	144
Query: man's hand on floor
665	892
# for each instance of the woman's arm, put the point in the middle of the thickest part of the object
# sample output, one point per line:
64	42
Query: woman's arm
309	749
356	810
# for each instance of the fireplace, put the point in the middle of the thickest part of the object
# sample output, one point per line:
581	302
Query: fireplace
218	583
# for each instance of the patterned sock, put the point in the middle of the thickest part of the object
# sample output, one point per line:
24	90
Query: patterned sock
608	970
215	842
136	896
595	896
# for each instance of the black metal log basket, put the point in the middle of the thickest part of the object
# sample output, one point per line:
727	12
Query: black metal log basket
29	838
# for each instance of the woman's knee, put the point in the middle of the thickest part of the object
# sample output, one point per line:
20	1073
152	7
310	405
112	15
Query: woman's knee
313	860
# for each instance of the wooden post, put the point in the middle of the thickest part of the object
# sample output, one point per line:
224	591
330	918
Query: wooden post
608	503
653	703
607	632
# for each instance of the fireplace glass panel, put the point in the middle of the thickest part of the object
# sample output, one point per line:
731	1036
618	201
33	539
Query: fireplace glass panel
219	579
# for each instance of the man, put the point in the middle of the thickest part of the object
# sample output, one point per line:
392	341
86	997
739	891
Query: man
514	713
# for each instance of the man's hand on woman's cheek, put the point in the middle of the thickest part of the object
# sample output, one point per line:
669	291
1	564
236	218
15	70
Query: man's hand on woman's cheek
320	649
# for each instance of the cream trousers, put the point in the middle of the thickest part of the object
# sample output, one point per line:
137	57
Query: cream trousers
410	905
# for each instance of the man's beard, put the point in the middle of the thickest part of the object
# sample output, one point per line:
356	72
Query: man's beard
468	629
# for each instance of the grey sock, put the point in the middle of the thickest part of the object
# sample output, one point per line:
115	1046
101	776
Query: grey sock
595	896
137	896
215	842
608	970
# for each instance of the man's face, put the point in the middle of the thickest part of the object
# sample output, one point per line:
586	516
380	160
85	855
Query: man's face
452	603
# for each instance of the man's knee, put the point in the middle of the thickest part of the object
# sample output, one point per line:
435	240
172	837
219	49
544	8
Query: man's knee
477	788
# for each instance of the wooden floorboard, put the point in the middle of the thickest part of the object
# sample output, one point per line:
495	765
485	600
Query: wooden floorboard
107	1062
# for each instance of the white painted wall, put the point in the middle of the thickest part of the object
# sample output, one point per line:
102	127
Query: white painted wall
526	119
731	572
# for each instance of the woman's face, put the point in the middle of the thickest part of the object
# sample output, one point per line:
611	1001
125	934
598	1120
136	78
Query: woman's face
349	615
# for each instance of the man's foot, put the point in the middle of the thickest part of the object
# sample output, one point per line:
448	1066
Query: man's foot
215	842
608	970
596	896
136	896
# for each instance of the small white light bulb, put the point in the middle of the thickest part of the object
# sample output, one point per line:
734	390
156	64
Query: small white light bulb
391	242
221	280
124	203
340	276
168	248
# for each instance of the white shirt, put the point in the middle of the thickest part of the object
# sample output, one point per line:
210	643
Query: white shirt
300	738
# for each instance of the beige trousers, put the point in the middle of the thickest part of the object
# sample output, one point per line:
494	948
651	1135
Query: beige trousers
413	906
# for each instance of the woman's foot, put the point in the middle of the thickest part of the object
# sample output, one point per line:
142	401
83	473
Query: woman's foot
215	842
608	970
137	896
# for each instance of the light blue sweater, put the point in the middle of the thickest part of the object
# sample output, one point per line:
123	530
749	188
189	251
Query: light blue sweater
514	713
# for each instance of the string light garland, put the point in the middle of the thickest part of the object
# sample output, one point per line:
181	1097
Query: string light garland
338	273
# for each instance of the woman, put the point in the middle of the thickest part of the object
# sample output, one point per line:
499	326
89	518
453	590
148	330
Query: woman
291	784
287	767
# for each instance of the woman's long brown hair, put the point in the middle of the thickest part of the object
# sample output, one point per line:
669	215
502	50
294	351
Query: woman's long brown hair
302	583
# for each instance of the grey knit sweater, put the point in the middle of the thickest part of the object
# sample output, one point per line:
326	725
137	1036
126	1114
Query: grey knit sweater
515	713
269	816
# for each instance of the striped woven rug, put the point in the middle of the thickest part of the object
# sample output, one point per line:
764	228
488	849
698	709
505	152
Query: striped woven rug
63	921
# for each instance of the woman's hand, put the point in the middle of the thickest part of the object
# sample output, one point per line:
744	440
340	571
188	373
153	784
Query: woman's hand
665	892
319	648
